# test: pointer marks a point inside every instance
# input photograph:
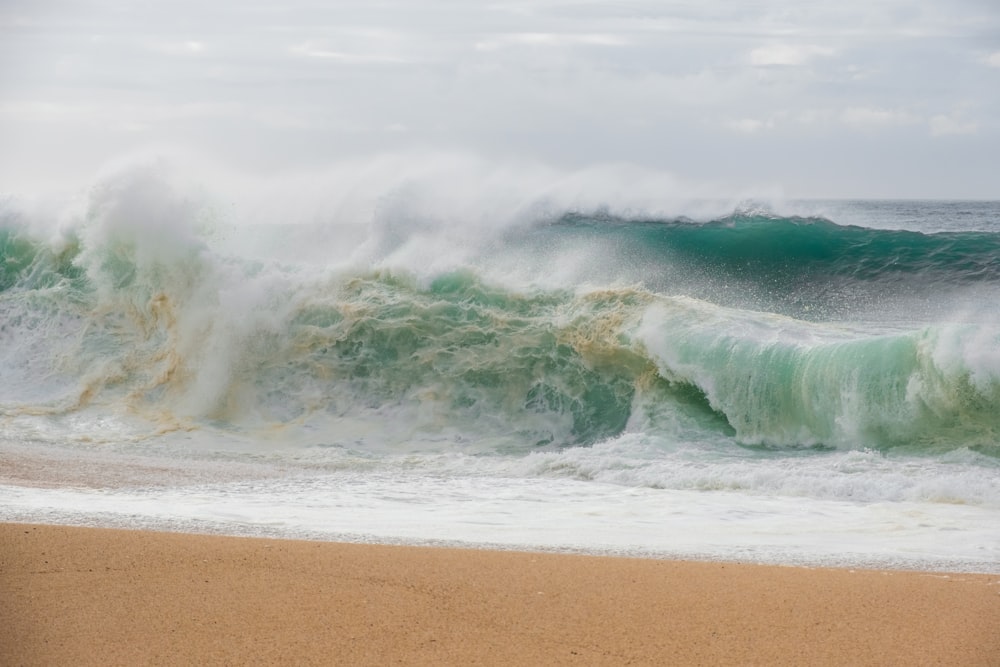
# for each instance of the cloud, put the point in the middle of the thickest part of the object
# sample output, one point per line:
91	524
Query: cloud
113	114
749	125
667	85
312	50
873	117
853	117
943	125
786	54
550	39
188	48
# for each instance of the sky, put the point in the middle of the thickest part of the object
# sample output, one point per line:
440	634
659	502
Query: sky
848	99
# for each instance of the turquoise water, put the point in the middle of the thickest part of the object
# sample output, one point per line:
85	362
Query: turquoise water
820	384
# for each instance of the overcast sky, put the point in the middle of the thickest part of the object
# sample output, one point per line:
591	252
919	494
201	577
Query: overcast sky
855	98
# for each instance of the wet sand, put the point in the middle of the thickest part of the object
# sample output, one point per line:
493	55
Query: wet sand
82	596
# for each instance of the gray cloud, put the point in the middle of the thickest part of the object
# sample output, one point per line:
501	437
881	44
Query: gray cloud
851	99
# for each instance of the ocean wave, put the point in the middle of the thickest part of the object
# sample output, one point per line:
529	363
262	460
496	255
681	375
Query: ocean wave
783	382
773	248
566	330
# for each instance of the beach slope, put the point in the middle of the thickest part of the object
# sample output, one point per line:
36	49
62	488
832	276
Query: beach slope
82	596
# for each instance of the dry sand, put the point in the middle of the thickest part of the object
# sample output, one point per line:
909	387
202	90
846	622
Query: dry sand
80	596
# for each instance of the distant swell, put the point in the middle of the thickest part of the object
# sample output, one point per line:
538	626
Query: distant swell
809	268
790	249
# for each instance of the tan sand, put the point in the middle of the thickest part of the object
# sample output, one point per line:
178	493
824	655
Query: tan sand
76	596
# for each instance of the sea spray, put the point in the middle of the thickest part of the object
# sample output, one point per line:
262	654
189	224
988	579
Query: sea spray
534	373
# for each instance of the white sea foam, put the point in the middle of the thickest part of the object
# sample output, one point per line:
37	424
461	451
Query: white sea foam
544	513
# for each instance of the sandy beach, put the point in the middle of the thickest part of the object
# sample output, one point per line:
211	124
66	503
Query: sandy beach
83	596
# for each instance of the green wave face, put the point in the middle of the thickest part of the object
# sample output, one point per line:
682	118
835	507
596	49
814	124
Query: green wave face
553	368
171	330
785	383
181	341
27	264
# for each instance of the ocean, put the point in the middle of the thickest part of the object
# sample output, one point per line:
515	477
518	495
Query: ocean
803	382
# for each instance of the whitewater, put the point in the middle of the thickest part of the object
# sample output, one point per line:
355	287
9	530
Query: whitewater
790	382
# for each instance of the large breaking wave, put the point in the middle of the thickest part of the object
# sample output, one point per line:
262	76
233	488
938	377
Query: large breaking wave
566	328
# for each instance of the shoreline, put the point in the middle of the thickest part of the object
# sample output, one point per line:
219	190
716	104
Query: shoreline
64	486
942	566
74	595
